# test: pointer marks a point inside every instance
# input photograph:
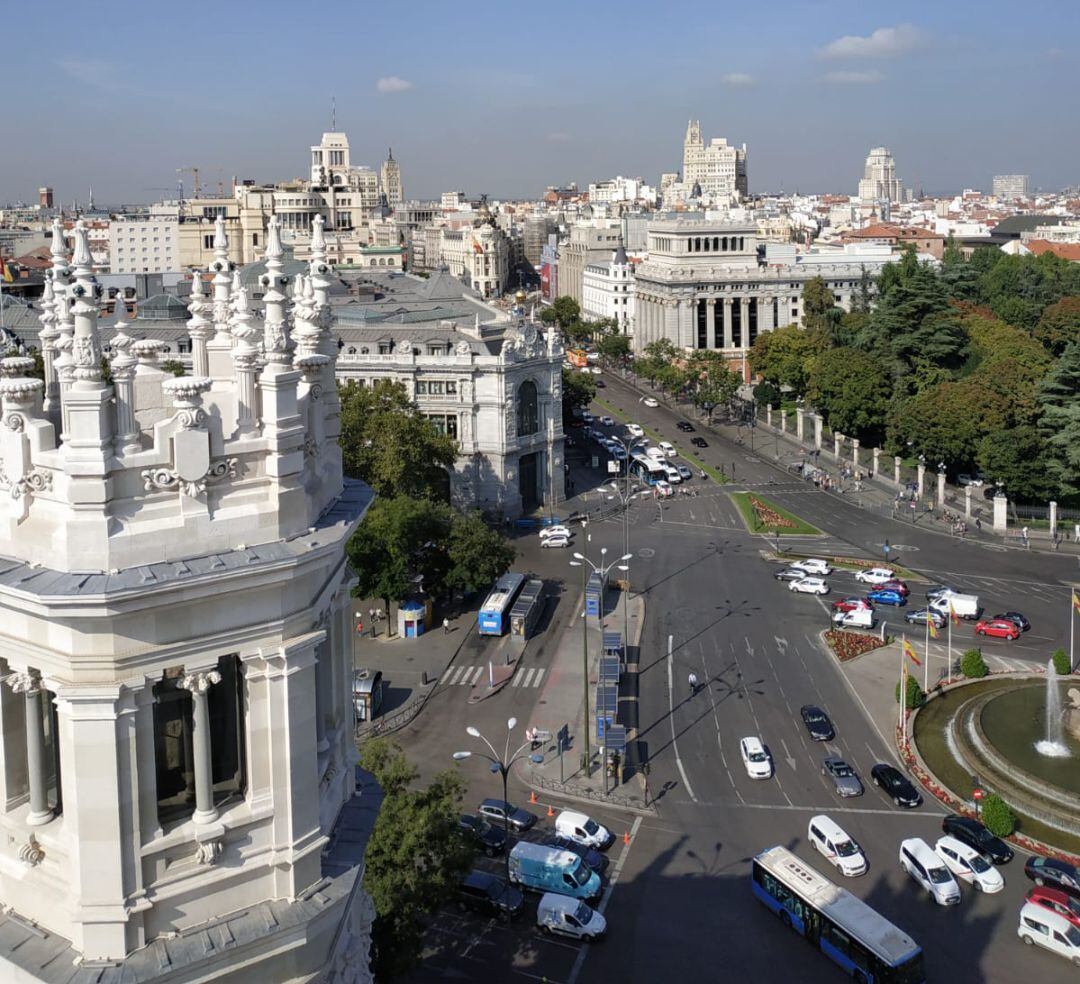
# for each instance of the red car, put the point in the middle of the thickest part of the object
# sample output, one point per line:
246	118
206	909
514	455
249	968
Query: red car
895	585
851	604
1002	628
1056	901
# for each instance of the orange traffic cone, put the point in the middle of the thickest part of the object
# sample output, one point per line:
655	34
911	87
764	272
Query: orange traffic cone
551	810
626	837
532	797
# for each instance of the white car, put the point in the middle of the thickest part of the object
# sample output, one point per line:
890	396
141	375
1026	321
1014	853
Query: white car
755	758
595	370
668	449
875	575
635	430
969	865
812	565
587	417
663	489
921	862
650	402
809	585
975	481
655	453
555	542
555	531
833	844
584	369
607	421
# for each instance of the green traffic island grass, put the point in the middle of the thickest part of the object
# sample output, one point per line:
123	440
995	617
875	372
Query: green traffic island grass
688	455
763	516
853	563
948	775
847	645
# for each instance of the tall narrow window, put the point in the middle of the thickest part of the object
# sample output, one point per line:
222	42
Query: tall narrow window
736	323
702	324
528	419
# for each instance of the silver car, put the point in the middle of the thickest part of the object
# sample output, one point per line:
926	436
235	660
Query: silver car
842	775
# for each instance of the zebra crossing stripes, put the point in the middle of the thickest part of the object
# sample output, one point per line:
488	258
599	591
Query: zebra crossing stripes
524	677
469	676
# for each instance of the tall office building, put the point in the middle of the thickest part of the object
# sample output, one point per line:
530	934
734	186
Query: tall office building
879	181
390	176
717	168
1011	186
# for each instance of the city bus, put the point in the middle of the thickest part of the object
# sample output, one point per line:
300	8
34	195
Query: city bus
869	947
494	617
647	469
578	358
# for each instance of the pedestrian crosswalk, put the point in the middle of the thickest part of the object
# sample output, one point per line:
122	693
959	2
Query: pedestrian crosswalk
469	676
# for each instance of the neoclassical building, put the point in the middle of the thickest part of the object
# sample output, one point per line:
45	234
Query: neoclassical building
177	791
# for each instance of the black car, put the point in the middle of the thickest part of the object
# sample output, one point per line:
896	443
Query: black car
895	785
1017	619
685	426
817	723
490	839
1055	874
975	835
594	859
600	384
498	811
699	442
489	895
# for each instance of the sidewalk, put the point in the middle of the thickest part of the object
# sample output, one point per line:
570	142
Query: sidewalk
562	703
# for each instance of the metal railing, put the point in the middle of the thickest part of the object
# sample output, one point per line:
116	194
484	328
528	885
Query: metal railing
392	722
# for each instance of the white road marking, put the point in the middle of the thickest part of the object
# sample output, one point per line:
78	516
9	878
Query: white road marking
453	673
830	808
539	677
475	676
517	677
788	757
671	717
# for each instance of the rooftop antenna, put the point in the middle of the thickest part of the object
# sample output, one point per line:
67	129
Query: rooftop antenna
333	114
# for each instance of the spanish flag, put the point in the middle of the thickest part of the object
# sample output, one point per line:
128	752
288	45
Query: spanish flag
5	272
1076	602
932	626
953	615
909	649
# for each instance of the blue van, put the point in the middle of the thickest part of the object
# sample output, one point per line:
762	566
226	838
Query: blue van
549	869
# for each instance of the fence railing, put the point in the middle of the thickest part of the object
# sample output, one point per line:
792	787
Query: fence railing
393	721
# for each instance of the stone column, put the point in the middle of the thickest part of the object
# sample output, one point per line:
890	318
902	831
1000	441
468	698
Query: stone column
876	453
199	683
783	421
1001	512
744	320
817	431
1053	521
896	468
768	414
122	368
728	340
710	322
838	440
921	479
854	452
800	416
967	501
29	685
941	488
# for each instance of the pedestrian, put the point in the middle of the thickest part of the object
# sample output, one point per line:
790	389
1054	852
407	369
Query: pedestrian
445	625
978	525
692	679
1076	533
1024	534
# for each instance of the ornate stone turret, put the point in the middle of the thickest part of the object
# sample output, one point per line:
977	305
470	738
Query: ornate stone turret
199	327
275	325
219	364
245	357
122	368
63	325
48	336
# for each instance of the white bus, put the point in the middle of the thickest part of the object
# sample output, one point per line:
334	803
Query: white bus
647	469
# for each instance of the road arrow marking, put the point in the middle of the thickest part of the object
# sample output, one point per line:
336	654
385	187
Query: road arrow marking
787	755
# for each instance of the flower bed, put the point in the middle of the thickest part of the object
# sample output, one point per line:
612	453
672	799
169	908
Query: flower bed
849	645
764	516
767	516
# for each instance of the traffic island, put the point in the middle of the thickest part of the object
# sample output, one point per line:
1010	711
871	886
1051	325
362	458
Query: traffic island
846	645
765	517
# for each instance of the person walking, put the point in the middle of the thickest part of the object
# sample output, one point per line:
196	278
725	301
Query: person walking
978	524
1024	534
1076	533
445	625
692	680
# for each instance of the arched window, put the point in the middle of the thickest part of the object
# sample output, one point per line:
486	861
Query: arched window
697	244
723	244
352	350
364	350
528	418
716	243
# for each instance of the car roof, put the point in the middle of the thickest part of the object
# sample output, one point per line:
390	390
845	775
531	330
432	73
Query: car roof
497	803
479	879
572	816
829	827
1053	895
563	903
884	769
964	850
1046	916
917	846
1056	863
753	743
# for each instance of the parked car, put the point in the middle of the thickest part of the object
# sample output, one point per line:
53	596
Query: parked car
975	481
999	628
583	829
1049	930
1056	901
569	917
817	723
813	565
593	858
699	442
684	473
850	604
489	838
1055	873
832	843
635	430
886	596
755	759
595	370
896	585
1017	619
874	575
650	402
685	426
490	896
557	530
810	585
918	859
895	785
607	421
668	448
497	810
587	416
789	574
556	542
920	616
547	869
843	776
975	835
663	489
969	865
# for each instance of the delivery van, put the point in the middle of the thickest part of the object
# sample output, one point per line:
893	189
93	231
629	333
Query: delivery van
569	917
583	830
857	618
549	869
966	606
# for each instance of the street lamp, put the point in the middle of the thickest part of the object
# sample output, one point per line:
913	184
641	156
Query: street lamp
501	765
580	560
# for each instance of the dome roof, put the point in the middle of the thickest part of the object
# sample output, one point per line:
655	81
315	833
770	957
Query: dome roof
162	307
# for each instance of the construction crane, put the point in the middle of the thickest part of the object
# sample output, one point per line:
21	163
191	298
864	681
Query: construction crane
196	188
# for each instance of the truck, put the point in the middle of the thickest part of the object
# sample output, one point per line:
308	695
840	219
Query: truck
549	869
964	605
857	618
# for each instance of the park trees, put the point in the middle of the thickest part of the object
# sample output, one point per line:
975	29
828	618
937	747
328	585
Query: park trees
1059	421
853	390
476	554
1059	325
784	357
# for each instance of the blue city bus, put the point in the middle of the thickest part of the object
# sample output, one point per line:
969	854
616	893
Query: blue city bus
869	947
494	617
649	471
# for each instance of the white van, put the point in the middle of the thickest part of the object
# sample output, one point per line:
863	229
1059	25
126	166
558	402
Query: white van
918	859
583	830
1048	929
668	449
836	846
672	473
569	917
859	618
655	453
966	606
967	863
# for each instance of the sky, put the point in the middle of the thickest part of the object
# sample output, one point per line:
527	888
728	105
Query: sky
510	97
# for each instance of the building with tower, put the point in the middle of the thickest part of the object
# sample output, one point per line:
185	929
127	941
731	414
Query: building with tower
478	255
879	181
608	291
177	790
717	168
390	177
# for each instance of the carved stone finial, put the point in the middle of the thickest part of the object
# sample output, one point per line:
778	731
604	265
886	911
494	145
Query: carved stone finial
200	682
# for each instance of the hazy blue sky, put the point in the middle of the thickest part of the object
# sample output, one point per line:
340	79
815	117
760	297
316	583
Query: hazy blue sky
510	97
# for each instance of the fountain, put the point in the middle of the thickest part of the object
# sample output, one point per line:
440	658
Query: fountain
1053	745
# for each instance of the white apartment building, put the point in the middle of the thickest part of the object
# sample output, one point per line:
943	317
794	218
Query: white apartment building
879	181
1011	186
149	244
718	169
620	189
704	284
608	291
479	256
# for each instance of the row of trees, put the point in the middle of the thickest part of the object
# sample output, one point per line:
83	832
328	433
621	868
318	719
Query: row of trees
975	363
703	376
604	332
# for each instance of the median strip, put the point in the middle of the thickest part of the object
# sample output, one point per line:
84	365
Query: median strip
764	516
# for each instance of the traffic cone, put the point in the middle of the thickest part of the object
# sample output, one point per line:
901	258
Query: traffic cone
532	797
551	810
626	837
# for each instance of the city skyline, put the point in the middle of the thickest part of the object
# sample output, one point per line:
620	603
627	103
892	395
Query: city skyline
957	100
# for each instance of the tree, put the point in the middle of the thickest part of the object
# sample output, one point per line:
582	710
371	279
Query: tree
860	302
767	395
415	858
853	391
1016	457
564	311
578	391
174	366
657	355
915	697
784	356
1061	662
388	443
996	816
818	306
973	665
614	346
478	555
947	421
992	339
1059	325
1059	421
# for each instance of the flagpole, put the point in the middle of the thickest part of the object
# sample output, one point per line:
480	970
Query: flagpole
903	689
926	666
1072	627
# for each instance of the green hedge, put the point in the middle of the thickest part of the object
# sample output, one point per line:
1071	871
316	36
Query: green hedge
996	816
1061	662
973	665
916	697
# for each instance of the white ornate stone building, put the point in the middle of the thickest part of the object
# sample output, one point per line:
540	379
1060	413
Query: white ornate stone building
478	256
177	791
607	291
717	169
879	181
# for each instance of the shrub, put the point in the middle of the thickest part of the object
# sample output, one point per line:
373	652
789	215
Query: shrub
997	817
972	664
1061	662
916	697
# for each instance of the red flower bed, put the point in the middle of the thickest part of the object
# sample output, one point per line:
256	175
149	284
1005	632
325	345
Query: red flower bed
848	645
767	516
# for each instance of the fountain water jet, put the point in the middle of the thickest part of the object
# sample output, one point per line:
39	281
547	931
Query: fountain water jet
1053	745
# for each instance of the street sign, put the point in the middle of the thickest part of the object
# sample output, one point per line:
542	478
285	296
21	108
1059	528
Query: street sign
979	794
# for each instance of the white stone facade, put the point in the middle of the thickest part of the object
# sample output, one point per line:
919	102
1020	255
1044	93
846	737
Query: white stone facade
718	168
479	256
879	181
145	245
608	291
176	715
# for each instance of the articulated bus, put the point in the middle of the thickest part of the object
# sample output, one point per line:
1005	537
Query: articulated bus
862	941
494	617
648	470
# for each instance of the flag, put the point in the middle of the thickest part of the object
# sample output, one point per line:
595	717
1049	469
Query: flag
909	649
1076	602
932	626
952	614
5	272
477	248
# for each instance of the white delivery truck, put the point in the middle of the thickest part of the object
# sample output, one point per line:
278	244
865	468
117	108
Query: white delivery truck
857	618
584	830
549	869
965	605
569	917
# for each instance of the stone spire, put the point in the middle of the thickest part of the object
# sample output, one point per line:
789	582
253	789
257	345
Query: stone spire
220	366
48	336
199	327
245	359
62	325
122	368
318	268
305	330
86	350
275	323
